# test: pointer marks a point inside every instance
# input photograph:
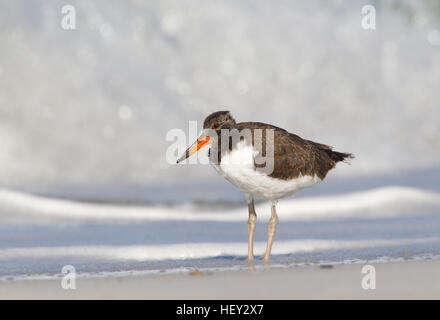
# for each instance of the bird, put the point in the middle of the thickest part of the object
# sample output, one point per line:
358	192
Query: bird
263	161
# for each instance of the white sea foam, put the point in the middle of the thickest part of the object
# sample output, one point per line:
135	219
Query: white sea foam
295	64
199	250
233	267
375	203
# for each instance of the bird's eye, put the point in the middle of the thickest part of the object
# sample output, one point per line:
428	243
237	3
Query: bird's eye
213	126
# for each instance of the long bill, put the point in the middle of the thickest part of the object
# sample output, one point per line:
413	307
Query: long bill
201	142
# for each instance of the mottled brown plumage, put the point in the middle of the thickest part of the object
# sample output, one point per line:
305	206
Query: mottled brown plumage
293	155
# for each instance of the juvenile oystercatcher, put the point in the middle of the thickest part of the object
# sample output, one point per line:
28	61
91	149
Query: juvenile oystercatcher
263	161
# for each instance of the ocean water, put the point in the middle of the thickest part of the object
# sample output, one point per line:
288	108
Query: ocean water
383	222
84	116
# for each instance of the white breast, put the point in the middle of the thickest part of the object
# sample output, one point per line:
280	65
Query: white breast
238	167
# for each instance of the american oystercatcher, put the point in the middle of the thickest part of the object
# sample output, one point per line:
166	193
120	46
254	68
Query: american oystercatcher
263	161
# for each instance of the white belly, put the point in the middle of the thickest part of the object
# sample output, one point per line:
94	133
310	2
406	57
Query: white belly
238	168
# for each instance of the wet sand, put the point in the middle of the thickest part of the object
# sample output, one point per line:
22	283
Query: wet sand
394	280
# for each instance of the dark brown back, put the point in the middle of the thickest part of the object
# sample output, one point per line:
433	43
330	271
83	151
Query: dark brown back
295	156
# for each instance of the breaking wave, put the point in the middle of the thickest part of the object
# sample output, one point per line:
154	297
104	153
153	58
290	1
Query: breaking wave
199	250
374	203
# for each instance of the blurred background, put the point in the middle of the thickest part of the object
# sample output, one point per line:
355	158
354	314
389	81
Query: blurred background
89	109
84	116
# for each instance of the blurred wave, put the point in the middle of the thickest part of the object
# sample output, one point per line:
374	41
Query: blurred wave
383	202
93	105
199	250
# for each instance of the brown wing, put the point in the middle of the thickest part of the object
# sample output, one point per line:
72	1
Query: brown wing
295	156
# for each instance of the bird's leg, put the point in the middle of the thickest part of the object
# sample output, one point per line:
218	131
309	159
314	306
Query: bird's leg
271	228
252	221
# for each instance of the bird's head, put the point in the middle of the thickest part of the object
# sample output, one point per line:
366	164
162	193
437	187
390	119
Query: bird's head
214	122
219	120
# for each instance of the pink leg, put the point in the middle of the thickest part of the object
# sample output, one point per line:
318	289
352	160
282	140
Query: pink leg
271	228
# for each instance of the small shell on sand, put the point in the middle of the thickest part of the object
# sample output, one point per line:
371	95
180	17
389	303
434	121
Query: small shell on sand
195	273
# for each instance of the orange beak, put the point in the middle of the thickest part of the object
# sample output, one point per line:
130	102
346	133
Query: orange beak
196	146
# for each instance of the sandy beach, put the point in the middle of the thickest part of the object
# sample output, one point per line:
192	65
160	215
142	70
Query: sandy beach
394	280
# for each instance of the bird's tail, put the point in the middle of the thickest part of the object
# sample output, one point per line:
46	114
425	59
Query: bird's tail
339	156
333	155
